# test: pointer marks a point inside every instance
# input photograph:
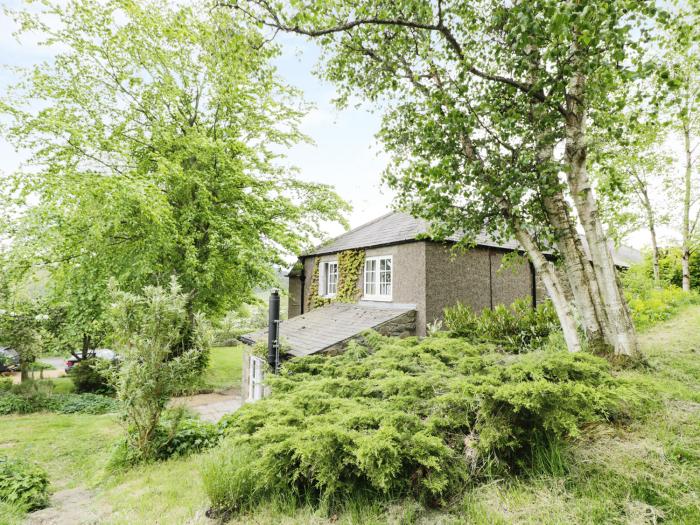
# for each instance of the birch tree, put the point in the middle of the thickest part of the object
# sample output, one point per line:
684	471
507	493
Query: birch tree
487	109
681	75
634	180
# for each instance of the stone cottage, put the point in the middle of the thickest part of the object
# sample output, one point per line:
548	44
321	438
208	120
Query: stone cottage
387	276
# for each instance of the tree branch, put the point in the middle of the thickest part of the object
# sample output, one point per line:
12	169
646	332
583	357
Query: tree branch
278	24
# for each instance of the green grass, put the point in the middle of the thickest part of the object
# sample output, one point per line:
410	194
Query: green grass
63	385
646	472
225	367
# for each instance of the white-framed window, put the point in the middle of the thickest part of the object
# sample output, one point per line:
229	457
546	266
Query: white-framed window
378	278
329	278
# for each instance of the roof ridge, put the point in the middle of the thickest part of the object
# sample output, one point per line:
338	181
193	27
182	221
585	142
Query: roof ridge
355	229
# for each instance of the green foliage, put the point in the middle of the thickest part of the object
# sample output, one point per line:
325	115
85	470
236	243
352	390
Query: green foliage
145	330
314	300
478	126
11	403
87	378
405	417
40	400
5	384
350	266
518	327
157	149
176	435
649	304
20	329
94	404
669	268
187	436
23	484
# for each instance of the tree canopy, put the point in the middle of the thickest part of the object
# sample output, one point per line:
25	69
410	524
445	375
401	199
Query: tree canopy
488	107
157	136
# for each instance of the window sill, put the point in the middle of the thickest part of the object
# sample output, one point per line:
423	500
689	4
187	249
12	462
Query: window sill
382	298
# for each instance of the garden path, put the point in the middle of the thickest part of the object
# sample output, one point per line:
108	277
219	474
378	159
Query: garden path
212	407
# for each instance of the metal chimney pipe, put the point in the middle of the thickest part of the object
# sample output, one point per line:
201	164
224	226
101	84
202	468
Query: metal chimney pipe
273	331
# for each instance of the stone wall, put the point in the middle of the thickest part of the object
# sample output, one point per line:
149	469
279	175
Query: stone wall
476	277
294	305
510	281
401	326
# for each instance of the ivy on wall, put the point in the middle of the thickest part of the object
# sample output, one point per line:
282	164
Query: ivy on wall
314	300
350	264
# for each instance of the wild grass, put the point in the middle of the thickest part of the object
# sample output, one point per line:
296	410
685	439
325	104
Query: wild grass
644	472
641	473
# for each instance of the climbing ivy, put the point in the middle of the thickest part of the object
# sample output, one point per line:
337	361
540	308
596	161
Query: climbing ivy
350	263
314	300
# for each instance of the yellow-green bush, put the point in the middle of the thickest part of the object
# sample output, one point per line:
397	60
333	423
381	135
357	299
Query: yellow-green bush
396	417
649	304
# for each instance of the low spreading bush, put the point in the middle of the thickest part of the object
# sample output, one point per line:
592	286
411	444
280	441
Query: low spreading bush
11	403
190	436
23	484
90	379
5	384
516	327
33	397
405	417
176	435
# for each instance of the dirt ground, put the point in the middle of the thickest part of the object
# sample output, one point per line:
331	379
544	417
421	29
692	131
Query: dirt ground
70	507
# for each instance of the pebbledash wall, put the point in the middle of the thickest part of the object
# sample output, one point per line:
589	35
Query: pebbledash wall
431	276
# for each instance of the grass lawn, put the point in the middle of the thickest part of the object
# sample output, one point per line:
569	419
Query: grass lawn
225	367
648	472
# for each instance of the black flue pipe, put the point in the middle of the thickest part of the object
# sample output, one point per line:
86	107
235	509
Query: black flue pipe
273	331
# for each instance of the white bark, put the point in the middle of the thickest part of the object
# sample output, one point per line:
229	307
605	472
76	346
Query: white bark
545	269
578	272
685	260
622	334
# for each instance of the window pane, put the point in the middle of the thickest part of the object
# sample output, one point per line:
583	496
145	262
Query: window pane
385	277
332	278
371	277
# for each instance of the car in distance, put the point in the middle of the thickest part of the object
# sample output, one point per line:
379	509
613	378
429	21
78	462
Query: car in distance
98	353
9	359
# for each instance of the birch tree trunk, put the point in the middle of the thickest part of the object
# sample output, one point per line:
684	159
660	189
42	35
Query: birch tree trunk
622	335
651	224
578	272
685	260
554	288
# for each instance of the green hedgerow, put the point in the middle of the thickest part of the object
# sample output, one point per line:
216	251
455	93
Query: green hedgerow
414	417
23	484
29	402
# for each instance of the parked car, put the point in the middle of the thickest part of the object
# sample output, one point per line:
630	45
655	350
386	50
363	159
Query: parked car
98	353
9	359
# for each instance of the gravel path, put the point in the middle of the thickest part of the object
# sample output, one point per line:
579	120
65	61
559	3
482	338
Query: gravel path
212	407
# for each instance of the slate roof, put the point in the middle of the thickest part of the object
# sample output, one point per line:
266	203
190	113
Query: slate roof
322	328
398	227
